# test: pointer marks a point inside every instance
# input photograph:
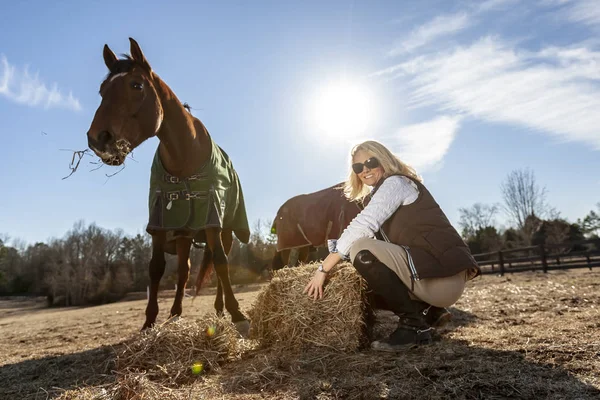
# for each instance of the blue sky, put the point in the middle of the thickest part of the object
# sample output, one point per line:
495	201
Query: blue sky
466	91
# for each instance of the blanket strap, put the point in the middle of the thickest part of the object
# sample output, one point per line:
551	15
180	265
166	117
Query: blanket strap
184	195
196	177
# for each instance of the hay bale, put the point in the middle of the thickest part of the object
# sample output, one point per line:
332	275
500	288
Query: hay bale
284	317
177	352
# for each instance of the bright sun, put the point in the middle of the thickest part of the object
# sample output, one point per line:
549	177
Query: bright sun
342	109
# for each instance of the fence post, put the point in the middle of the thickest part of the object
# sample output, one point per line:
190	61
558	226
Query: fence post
544	260
501	261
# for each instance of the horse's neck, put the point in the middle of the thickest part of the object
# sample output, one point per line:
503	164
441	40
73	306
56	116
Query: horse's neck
184	141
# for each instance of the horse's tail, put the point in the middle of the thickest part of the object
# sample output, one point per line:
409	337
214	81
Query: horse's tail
205	271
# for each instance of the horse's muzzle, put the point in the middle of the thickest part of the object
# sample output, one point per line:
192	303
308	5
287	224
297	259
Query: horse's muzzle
103	140
103	147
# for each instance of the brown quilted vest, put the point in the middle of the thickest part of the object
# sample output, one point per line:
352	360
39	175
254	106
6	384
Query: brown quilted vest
435	249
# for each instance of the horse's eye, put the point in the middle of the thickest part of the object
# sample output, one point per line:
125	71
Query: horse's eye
137	85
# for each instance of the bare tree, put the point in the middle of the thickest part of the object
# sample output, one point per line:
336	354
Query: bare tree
523	197
476	218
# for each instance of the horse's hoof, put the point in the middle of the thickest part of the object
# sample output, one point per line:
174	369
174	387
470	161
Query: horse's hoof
171	319
146	327
243	328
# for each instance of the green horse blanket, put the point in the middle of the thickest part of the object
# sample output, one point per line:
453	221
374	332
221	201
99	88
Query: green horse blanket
211	197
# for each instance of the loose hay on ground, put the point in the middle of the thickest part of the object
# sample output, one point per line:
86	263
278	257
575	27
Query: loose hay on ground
284	317
527	336
129	386
167	353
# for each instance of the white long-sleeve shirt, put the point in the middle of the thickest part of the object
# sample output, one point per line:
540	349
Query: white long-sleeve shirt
393	193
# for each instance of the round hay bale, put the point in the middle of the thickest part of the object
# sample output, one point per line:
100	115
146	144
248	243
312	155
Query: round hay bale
177	352
282	316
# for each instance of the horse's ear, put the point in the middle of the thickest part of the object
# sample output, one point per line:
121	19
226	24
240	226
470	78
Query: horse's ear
109	57
138	56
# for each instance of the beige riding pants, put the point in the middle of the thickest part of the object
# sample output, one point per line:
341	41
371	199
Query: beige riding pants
439	292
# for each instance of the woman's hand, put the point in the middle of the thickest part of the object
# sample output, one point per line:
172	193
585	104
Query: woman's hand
315	286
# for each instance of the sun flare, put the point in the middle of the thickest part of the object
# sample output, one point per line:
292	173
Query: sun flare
342	109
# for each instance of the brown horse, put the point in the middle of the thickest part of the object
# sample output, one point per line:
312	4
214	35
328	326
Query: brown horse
309	220
194	192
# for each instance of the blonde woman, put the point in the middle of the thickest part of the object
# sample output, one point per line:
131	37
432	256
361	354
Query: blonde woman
402	244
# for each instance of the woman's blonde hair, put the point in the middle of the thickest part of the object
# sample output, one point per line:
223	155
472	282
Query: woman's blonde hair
354	189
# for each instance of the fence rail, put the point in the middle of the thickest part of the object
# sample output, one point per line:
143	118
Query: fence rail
569	255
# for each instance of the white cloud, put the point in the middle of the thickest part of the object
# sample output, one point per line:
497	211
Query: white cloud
424	145
443	26
494	4
555	90
552	3
586	11
438	27
23	88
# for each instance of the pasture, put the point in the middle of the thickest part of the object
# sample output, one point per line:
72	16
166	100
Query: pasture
529	335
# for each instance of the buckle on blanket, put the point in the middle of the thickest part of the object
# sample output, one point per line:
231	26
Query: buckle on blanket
173	196
172	179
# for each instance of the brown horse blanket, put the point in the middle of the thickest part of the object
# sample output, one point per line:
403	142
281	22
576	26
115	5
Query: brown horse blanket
211	197
312	219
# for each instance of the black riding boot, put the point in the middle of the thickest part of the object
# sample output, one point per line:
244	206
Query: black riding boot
412	329
438	317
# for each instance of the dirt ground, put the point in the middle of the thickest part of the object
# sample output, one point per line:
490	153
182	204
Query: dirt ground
526	335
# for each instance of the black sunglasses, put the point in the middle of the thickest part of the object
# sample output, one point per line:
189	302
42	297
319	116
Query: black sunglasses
370	163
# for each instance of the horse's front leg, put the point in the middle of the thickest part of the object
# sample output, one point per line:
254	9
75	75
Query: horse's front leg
219	304
156	270
278	261
302	255
183	246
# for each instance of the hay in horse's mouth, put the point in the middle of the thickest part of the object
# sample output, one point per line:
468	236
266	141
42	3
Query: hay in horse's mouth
118	153
113	161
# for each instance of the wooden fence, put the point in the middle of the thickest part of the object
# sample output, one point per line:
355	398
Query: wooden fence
570	255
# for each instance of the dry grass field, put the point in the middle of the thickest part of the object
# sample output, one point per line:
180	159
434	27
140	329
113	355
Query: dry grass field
526	335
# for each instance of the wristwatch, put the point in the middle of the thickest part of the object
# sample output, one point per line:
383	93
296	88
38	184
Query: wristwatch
320	269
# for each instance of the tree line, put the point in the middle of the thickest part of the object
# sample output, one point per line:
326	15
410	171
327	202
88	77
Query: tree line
532	220
92	265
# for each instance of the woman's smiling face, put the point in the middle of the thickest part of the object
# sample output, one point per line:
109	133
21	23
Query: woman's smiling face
368	176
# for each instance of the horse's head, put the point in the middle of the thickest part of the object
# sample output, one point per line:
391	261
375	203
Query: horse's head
130	111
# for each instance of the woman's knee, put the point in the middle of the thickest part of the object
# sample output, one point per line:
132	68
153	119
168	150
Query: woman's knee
441	292
359	246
